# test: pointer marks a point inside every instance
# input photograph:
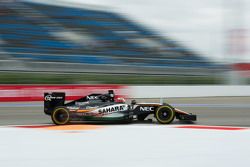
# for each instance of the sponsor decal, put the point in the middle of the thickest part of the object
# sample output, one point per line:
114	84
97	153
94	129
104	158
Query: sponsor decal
92	97
112	109
50	97
89	114
91	107
147	109
81	103
73	108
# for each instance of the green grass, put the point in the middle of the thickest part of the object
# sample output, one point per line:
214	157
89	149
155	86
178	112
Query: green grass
47	78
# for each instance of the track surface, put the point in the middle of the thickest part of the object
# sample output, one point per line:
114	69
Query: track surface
229	111
133	145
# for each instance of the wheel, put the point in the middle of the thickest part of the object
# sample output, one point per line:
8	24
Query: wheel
60	116
165	114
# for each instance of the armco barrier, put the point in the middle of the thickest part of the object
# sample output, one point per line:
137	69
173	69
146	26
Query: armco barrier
15	93
188	91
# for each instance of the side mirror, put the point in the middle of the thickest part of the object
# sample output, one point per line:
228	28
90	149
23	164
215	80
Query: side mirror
133	102
111	95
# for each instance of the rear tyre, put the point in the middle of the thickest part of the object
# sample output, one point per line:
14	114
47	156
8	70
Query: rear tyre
165	114
60	116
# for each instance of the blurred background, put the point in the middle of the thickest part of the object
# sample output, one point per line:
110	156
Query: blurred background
124	42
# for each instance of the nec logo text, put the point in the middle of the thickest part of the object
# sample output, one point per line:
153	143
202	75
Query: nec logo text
147	109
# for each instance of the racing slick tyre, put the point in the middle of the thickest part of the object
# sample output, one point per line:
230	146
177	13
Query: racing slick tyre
60	116
165	114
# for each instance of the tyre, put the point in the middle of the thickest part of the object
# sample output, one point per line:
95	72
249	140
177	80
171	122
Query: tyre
165	114
60	116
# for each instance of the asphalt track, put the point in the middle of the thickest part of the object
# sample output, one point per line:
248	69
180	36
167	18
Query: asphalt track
226	111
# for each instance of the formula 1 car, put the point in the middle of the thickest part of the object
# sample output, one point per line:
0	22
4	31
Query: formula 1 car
107	108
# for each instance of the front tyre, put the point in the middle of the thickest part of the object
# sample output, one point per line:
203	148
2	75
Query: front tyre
165	114
60	116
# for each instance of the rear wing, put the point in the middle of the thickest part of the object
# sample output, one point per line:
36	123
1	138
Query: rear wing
53	100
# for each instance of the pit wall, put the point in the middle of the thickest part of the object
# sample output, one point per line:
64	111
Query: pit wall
22	93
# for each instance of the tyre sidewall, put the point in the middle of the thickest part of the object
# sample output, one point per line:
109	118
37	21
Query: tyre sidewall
53	116
171	111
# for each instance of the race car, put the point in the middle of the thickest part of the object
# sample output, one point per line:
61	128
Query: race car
108	108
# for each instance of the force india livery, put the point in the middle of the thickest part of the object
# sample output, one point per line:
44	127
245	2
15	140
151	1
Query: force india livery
107	108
